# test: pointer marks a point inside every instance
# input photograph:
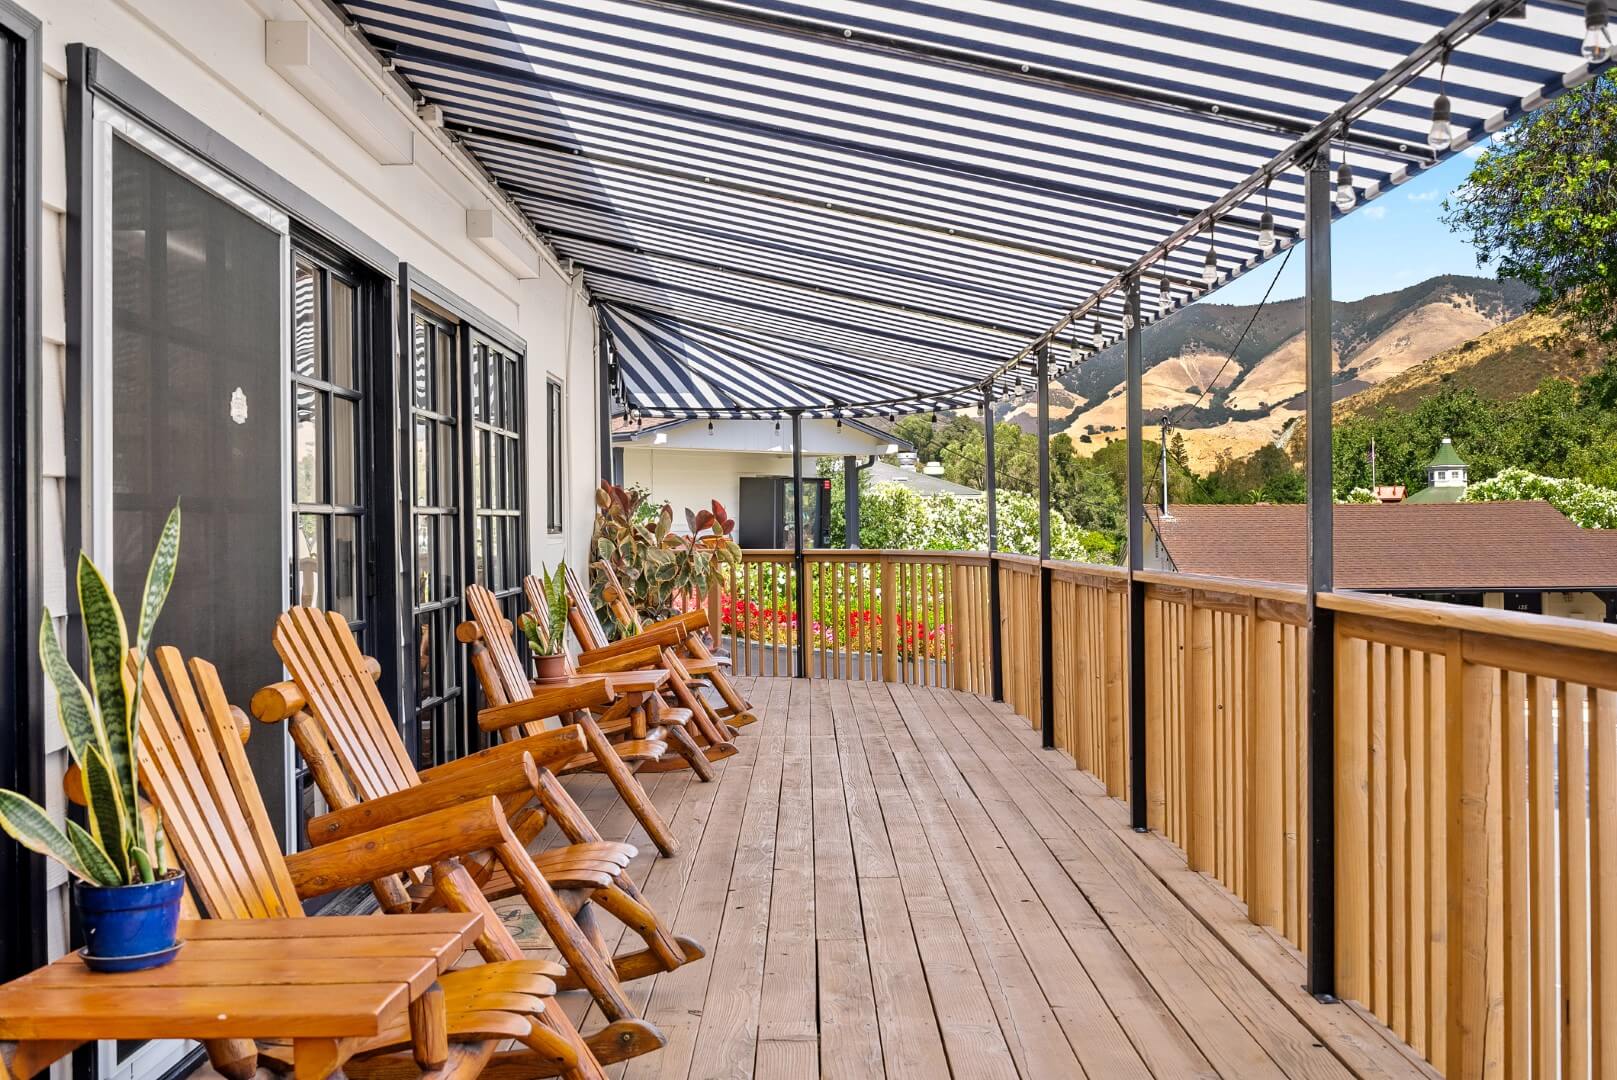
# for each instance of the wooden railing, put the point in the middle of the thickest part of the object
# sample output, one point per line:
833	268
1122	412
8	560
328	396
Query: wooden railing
1226	752
918	617
1476	856
1474	782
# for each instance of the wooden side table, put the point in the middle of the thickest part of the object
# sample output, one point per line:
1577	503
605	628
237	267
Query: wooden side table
326	984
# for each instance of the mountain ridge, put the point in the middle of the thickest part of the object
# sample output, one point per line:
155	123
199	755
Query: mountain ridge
1232	405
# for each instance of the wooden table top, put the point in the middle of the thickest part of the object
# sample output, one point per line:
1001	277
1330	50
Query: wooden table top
324	977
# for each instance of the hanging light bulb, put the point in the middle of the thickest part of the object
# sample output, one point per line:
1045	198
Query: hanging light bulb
1098	337
934	418
1210	263
1597	43
1266	233
1164	295
1346	194
1441	137
1075	352
1128	319
710	427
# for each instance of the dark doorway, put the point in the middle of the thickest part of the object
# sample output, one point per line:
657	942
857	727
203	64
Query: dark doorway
196	416
22	749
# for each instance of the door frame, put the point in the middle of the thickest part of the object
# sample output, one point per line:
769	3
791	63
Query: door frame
22	746
94	76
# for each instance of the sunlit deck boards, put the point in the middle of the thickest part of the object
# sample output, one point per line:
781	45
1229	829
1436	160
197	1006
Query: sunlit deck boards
897	882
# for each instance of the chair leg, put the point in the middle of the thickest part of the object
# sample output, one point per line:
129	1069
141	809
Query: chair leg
584	958
628	788
690	753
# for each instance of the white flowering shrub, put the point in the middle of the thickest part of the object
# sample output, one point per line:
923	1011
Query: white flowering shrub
1359	495
1585	504
894	516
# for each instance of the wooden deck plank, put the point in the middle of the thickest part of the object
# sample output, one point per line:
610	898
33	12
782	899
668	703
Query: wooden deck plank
894	881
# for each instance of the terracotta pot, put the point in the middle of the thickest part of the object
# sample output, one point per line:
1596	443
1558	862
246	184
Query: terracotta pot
551	668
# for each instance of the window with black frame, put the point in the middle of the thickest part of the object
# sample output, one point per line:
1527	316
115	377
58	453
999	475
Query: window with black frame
497	472
554	458
329	496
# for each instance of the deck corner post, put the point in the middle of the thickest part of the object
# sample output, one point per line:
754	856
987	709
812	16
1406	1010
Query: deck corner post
799	564
1047	672
1321	624
1135	348
996	661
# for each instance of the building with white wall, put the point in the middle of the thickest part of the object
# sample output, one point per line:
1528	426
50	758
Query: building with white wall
251	277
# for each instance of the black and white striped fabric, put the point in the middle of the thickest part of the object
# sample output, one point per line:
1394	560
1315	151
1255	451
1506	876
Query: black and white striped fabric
775	219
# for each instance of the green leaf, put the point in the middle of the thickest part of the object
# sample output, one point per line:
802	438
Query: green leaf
96	864
105	803
26	822
159	576
74	708
108	638
142	863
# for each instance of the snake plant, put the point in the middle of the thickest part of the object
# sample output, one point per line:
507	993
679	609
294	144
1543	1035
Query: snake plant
101	723
551	639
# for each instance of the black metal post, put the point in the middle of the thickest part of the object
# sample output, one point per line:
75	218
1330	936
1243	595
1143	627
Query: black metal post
1134	338
603	404
1321	627
996	662
850	502
798	564
1047	667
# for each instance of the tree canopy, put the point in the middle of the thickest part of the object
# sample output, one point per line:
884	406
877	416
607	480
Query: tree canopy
1543	201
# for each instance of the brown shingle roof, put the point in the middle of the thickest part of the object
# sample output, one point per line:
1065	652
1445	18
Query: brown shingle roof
1401	547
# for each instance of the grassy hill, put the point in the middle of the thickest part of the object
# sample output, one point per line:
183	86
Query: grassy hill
1506	362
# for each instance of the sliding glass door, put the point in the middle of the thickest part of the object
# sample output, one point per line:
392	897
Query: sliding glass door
190	410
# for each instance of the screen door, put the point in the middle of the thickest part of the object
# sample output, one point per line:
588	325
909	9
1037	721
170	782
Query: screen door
187	405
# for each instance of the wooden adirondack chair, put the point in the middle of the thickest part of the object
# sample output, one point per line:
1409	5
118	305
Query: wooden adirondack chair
499	668
341	726
680	638
194	770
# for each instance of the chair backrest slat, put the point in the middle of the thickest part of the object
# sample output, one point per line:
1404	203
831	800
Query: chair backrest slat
499	638
319	650
617	600
502	663
586	625
194	769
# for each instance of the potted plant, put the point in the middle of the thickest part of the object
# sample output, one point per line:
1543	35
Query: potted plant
128	900
548	644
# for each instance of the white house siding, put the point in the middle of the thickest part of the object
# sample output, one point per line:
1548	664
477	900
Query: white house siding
208	57
693	478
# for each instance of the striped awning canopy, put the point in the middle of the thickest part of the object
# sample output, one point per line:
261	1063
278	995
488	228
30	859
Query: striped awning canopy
858	207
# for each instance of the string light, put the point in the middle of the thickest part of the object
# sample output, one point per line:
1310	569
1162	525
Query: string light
1266	226
1075	352
1210	263
1597	43
1346	194
1098	338
1441	136
1164	295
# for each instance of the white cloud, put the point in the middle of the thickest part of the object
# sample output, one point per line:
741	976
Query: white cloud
1474	150
1375	212
1424	196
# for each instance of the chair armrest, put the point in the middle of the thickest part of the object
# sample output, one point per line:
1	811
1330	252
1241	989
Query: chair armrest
689	623
402	846
660	639
509	774
546	751
547	701
646	656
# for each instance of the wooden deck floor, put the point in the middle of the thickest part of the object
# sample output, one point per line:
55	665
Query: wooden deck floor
897	882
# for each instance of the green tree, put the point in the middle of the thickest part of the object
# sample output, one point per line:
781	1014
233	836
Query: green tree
1543	201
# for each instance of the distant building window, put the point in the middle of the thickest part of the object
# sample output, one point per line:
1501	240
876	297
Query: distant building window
553	464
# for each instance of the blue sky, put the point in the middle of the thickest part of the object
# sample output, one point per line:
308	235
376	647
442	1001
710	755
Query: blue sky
1394	241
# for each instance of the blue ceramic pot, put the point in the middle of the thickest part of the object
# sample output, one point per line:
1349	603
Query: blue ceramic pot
130	927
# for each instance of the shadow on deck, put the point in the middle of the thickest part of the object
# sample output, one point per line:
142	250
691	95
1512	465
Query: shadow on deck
895	881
